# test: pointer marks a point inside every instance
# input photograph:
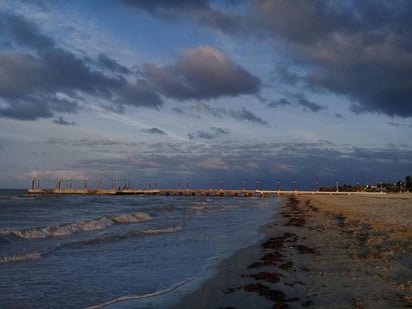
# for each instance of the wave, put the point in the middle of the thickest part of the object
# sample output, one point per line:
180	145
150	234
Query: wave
136	297
117	237
76	227
16	197
169	229
93	241
20	258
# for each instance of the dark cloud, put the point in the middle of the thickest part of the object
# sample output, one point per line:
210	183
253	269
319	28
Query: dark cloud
167	6
111	64
307	104
212	133
357	49
64	122
178	110
297	100
200	108
279	103
245	114
154	131
202	73
205	12
24	32
30	81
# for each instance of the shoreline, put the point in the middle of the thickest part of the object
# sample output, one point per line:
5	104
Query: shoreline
323	252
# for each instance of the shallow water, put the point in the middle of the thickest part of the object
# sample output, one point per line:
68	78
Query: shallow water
78	251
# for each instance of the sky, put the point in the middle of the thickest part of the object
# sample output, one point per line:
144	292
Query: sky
177	91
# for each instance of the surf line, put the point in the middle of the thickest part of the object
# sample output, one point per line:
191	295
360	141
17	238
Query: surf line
135	297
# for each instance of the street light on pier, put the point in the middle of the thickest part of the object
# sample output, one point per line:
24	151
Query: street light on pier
337	185
381	186
155	184
114	184
296	185
38	183
257	185
221	184
244	185
210	184
179	185
278	185
317	186
187	184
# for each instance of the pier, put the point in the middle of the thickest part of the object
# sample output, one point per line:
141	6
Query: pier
194	192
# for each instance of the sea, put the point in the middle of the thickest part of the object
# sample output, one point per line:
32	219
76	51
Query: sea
123	251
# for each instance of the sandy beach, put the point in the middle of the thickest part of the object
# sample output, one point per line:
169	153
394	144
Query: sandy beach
323	252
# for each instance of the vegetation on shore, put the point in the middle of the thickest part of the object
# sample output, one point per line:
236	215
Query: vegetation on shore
399	186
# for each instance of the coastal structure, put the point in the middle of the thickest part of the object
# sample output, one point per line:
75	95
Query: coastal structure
187	191
193	192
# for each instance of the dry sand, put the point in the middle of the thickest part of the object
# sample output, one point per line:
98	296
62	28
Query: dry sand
321	252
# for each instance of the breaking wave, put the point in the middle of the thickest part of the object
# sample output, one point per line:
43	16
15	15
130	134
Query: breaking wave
76	227
92	241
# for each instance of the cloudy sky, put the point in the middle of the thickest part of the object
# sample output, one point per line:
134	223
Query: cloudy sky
204	90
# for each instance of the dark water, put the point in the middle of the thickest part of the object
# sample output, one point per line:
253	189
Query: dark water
79	251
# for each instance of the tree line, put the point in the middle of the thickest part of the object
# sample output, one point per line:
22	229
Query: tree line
399	186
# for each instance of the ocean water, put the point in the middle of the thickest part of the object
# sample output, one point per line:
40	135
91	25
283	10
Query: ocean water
75	251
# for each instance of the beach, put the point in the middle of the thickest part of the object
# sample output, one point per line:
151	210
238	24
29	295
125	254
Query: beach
329	251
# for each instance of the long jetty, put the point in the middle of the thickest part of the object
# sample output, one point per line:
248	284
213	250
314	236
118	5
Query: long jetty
195	192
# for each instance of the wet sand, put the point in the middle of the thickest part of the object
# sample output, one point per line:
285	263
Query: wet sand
321	252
